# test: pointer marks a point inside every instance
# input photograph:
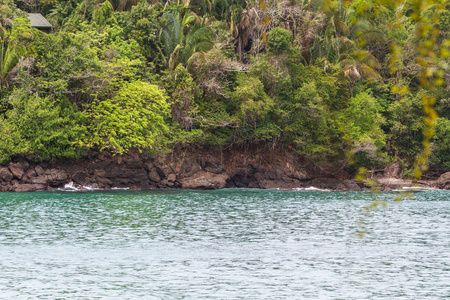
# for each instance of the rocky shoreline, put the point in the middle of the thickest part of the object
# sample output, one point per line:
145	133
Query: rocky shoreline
190	170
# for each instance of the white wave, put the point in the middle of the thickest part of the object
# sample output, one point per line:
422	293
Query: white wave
416	189
311	189
72	187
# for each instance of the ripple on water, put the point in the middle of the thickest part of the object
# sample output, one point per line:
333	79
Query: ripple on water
223	244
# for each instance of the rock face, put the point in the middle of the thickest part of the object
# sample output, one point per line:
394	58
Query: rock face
188	170
204	180
444	181
5	175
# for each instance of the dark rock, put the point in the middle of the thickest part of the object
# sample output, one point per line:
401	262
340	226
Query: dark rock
268	179
328	184
189	167
291	172
25	165
105	156
148	166
214	167
57	177
164	171
31	173
240	178
101	173
444	181
172	177
39	170
43	179
6	175
79	177
243	178
103	181
130	172
204	180
17	170
166	183
29	187
351	185
154	176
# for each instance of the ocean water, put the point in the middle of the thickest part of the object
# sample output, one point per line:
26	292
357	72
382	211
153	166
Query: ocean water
224	244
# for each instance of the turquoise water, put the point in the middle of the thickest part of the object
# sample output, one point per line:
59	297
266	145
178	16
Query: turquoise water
225	244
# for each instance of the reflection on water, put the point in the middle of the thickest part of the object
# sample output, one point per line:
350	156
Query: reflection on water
227	244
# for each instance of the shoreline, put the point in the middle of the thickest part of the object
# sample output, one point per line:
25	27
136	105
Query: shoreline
195	170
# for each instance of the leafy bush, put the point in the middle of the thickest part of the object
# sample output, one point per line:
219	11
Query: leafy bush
441	153
253	109
407	125
279	40
40	127
133	118
368	138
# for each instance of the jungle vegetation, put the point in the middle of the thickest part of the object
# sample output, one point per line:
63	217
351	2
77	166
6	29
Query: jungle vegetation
338	82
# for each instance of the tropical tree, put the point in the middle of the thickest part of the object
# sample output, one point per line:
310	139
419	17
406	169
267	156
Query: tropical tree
104	14
121	5
182	37
245	29
133	118
360	64
15	46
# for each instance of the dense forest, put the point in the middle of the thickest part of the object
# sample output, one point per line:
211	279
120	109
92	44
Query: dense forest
337	82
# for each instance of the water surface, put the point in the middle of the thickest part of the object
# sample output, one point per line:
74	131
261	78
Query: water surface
226	244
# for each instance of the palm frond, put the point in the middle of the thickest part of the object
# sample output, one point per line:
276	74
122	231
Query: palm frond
199	38
173	27
370	73
10	59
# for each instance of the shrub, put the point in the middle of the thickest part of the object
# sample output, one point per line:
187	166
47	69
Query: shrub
133	118
40	127
279	40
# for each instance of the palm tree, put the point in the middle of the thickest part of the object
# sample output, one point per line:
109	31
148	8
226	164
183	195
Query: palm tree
341	44
122	5
359	64
183	37
15	39
242	32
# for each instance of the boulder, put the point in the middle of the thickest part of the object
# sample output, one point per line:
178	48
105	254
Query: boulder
444	181
39	170
17	170
105	182
204	180
154	176
31	173
353	185
127	173
243	178
79	177
6	175
166	183
214	167
29	187
291	172
328	184
57	177
189	167
172	177
43	179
